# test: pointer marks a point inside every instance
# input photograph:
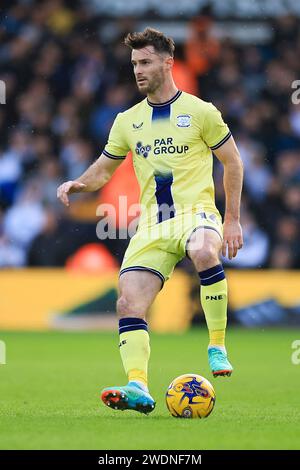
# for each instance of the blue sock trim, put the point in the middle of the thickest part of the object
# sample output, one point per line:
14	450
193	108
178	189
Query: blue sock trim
131	324
212	275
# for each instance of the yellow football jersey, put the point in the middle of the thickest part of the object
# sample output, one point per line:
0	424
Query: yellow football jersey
172	146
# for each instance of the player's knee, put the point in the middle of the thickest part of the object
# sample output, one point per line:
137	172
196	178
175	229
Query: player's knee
127	308
205	257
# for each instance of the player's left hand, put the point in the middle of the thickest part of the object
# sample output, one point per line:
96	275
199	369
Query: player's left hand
232	238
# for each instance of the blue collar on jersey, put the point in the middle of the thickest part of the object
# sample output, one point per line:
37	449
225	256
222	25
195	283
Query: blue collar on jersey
158	105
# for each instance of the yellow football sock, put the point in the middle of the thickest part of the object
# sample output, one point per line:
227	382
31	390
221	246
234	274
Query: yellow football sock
214	303
217	338
135	349
136	375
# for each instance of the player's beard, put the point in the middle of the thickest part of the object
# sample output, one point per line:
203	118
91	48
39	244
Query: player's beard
152	85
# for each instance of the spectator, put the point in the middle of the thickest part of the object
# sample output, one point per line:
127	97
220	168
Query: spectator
115	102
10	254
282	257
256	245
76	155
24	220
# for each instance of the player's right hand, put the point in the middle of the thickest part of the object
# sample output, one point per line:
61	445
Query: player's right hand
68	188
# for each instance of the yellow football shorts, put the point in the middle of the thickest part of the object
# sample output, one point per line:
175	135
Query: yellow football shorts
158	248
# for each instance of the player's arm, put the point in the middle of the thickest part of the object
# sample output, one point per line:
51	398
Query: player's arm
102	169
96	176
229	156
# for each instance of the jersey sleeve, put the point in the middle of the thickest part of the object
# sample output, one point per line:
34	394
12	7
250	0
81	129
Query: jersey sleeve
215	132
116	147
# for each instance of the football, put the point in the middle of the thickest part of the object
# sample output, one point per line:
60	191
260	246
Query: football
190	396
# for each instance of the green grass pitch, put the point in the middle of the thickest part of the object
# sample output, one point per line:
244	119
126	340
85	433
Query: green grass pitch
50	387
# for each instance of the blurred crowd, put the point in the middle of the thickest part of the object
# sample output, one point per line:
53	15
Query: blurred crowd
65	83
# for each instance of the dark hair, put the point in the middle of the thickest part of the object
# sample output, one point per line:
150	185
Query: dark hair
150	37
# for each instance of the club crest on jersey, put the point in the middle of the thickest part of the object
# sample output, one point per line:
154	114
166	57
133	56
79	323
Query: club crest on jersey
183	120
137	126
143	150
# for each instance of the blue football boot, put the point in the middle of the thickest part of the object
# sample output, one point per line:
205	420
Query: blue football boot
219	364
129	397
